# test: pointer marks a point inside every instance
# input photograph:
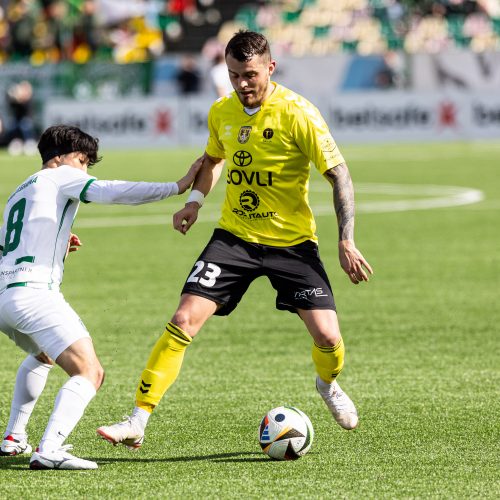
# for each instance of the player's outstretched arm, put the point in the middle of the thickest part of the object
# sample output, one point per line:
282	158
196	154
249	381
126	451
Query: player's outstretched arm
137	193
189	178
351	259
207	177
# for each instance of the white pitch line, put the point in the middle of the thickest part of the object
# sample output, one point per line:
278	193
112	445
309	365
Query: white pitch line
434	196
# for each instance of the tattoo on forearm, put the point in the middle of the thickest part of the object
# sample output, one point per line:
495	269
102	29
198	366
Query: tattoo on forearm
343	200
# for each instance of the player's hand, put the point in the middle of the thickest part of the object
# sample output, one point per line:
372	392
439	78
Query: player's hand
353	263
188	179
186	217
73	244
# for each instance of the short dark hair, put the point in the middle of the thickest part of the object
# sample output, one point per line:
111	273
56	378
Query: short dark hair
246	44
63	139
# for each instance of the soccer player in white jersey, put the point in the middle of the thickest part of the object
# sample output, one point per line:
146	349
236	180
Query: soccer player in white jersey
268	135
35	238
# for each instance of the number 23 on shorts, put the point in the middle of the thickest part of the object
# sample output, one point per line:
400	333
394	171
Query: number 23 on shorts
204	273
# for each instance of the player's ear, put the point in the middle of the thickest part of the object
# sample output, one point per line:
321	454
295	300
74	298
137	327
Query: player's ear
272	67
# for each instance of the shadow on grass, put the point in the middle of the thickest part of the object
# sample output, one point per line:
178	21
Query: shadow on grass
219	457
18	462
22	463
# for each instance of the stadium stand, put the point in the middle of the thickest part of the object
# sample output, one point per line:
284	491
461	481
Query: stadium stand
367	27
45	31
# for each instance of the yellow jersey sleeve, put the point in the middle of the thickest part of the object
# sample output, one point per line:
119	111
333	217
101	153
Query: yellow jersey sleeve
268	156
214	147
314	138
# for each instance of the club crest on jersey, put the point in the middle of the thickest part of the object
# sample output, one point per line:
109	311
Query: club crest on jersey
244	134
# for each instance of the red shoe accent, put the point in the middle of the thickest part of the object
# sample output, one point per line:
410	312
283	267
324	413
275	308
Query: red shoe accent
36	465
109	439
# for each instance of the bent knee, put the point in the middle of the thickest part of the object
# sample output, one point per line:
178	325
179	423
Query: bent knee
192	313
182	319
99	380
95	375
327	339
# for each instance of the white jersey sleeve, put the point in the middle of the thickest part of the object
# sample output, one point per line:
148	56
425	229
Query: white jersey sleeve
72	182
127	193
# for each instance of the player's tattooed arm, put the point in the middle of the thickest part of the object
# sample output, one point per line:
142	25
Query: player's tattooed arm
351	259
343	200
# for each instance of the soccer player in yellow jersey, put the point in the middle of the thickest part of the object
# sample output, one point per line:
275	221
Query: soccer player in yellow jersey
267	135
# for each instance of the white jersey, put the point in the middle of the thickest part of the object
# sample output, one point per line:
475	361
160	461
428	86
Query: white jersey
39	215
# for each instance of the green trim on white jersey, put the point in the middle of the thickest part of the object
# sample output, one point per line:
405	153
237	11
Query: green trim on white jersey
68	204
26	258
84	191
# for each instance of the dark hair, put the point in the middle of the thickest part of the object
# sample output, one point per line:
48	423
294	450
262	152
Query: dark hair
63	139
246	44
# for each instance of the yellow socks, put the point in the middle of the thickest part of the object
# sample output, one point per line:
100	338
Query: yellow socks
163	367
328	360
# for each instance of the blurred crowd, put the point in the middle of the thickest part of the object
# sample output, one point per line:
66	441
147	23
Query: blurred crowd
45	31
138	30
301	27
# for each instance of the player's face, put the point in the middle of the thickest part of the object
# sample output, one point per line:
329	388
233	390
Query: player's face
251	79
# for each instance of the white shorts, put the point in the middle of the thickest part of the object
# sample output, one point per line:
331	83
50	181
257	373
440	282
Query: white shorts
39	320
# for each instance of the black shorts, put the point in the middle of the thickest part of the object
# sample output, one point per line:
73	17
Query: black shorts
228	265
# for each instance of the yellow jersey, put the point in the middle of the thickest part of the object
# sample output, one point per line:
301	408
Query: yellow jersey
268	157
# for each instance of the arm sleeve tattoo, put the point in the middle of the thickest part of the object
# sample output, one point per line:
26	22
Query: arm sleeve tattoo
343	199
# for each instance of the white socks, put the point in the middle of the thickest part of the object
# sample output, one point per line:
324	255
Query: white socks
140	417
71	401
30	382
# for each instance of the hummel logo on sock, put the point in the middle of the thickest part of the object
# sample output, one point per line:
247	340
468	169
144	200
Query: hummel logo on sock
144	387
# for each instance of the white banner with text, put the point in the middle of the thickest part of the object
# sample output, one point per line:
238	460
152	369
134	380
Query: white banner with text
352	117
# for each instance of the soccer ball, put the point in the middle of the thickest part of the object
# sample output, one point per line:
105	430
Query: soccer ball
285	433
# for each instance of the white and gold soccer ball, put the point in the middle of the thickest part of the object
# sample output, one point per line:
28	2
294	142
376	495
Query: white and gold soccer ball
285	433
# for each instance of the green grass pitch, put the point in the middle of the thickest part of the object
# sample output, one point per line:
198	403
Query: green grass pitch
422	342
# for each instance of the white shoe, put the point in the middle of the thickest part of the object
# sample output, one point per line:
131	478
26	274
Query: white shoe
60	459
12	446
126	432
340	405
